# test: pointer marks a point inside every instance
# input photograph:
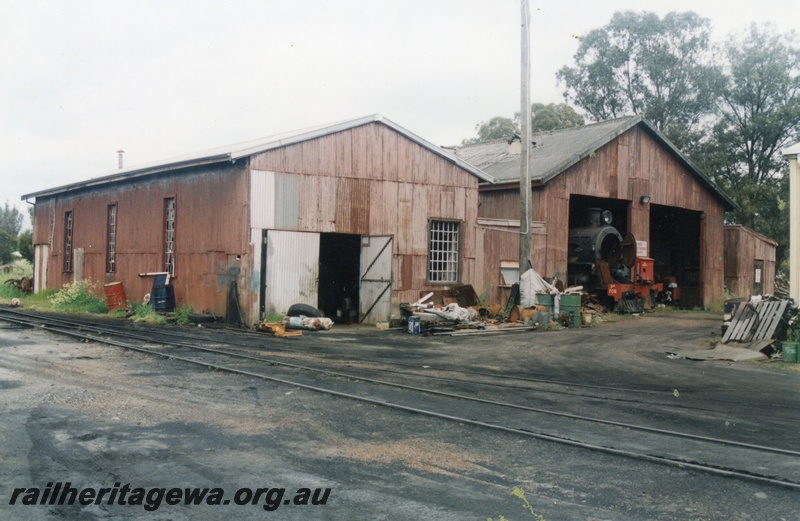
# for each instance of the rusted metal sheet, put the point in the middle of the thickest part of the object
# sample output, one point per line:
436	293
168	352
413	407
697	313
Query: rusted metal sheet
292	270
140	232
353	206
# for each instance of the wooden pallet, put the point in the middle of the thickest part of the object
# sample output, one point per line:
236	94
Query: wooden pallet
755	322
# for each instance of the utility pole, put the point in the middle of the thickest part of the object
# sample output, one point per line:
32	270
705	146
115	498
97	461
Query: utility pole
525	213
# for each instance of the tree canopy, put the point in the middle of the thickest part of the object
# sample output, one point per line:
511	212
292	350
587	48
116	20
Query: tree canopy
757	114
642	64
10	224
552	116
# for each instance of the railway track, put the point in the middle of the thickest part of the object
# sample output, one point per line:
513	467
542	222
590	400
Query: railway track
455	399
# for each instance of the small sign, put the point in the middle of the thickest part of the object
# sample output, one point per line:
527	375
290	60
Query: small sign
758	275
641	248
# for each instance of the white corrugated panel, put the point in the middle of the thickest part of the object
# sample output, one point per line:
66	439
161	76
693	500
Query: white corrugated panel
292	270
262	199
287	201
375	294
274	200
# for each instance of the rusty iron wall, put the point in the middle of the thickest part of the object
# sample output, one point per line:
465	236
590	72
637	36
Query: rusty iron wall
212	241
630	166
743	247
371	180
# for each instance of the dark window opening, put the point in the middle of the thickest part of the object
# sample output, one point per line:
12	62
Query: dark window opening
169	235
68	242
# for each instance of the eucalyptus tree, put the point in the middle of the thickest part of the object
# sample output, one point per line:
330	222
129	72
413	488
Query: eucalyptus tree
642	64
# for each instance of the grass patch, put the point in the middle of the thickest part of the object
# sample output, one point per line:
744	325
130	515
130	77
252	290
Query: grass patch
144	314
182	315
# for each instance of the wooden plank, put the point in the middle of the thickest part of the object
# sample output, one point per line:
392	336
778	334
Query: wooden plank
778	318
736	323
765	315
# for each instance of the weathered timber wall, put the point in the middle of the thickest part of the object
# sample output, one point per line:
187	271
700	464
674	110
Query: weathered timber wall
212	245
371	180
743	247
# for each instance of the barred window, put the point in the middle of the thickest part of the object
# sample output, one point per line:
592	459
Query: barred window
111	239
443	251
68	242
169	235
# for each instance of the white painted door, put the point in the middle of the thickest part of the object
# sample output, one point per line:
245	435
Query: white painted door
292	270
375	288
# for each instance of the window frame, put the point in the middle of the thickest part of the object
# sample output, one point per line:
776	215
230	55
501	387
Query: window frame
111	237
168	258
69	227
444	273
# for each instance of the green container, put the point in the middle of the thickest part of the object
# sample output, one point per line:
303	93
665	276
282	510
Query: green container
545	300
570	305
791	353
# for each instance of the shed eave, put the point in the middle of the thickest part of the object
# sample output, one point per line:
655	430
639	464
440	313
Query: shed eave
127	175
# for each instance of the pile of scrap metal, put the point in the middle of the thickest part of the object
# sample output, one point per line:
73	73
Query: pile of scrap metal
23	284
439	312
757	322
534	303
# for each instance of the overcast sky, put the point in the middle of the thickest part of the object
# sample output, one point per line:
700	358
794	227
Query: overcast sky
82	79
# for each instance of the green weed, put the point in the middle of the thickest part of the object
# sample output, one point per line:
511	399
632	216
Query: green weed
79	297
144	314
182	315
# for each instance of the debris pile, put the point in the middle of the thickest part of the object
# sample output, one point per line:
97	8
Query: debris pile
757	323
533	304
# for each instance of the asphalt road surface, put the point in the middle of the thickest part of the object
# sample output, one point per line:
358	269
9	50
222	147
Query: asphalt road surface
89	416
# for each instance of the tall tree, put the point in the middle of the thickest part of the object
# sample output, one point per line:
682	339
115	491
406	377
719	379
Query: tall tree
496	128
10	224
554	117
642	64
757	114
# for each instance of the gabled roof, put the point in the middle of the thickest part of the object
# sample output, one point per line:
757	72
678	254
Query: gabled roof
554	152
231	153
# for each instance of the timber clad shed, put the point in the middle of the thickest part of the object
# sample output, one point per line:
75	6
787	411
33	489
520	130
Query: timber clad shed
749	262
351	218
625	166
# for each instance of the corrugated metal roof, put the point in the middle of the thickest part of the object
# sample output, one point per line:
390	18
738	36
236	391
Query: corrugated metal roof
249	148
554	152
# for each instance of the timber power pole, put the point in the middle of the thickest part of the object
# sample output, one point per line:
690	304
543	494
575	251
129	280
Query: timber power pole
525	211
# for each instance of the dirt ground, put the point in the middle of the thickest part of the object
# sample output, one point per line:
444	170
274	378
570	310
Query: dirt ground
95	415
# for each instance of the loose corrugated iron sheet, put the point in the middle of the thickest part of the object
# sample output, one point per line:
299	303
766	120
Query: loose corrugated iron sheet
292	270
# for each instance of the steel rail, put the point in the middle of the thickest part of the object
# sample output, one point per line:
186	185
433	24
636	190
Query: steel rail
653	430
709	469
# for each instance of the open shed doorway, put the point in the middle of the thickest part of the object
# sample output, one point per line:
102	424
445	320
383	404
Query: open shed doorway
675	250
591	236
339	263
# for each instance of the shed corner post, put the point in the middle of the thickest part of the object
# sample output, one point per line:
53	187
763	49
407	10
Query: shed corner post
792	154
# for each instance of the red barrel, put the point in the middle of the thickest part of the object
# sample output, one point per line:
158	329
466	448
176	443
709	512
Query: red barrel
115	296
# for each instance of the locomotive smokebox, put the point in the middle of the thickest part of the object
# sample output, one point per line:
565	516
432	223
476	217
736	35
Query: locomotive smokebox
594	239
